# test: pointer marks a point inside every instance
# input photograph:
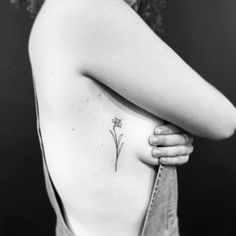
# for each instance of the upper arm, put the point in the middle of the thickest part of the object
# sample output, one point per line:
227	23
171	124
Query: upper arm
112	44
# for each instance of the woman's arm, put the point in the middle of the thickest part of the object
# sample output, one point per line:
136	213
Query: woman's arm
109	42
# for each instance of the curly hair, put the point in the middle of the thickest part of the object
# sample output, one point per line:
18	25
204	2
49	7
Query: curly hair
150	10
32	6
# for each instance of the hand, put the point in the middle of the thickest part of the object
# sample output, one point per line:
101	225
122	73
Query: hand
171	145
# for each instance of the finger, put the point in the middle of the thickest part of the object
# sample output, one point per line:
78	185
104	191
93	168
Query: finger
172	151
167	129
180	160
150	161
167	140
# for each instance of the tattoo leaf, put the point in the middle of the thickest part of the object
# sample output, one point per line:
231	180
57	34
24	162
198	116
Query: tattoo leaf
119	150
113	135
119	139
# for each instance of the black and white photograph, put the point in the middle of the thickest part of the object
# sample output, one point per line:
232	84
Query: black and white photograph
117	117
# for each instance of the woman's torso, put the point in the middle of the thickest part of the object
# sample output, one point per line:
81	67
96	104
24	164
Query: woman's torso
76	114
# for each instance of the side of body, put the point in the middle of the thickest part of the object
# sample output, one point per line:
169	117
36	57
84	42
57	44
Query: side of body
87	73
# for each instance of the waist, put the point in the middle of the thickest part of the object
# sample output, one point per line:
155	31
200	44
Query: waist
81	160
97	199
91	191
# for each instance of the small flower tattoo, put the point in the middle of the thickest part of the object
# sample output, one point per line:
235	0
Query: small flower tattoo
117	124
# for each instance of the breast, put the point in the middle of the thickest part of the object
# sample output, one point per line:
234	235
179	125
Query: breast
77	123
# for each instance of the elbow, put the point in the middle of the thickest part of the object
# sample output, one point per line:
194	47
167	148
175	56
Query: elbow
225	134
227	126
232	132
226	131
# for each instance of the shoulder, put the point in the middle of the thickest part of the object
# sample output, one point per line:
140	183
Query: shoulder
73	25
61	16
56	11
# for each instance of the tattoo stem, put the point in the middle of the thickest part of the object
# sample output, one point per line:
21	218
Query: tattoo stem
116	163
117	123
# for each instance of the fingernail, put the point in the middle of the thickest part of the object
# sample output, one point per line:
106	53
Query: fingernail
156	152
158	131
153	140
163	160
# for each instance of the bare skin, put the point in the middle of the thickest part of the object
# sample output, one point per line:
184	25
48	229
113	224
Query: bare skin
171	146
73	57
